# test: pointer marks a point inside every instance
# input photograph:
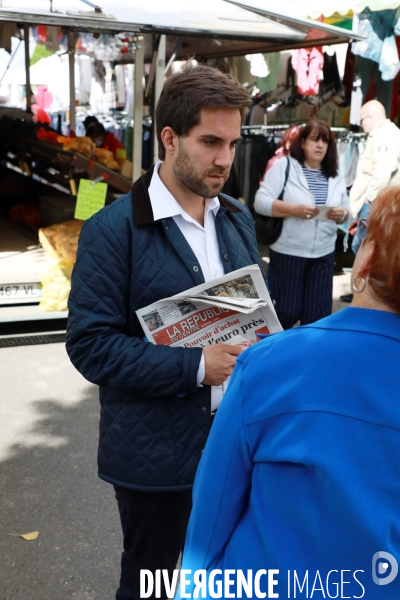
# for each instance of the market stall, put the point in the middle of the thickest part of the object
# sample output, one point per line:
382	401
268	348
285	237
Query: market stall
156	37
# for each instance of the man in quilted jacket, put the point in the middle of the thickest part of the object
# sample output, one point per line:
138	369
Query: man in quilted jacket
172	232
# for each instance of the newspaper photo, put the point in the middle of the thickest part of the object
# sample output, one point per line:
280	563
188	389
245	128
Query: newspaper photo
233	309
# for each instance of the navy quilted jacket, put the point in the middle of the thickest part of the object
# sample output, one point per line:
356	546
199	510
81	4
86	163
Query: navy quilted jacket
154	419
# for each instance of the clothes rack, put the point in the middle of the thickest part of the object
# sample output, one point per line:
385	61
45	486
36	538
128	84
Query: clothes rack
257	146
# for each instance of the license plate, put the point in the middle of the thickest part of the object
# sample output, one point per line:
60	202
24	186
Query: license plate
11	293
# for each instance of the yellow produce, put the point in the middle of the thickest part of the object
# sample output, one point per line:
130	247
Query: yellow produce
84	145
56	285
61	240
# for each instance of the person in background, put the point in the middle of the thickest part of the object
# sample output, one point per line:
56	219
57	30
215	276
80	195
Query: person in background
377	167
284	148
306	479
302	259
101	137
89	120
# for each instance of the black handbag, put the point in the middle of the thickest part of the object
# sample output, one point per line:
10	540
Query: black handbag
268	229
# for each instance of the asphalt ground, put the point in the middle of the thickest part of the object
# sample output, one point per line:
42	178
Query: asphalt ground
48	476
48	482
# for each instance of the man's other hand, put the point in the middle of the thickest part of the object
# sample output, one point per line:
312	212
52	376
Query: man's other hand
219	362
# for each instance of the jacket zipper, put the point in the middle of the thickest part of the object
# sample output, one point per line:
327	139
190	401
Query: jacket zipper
315	237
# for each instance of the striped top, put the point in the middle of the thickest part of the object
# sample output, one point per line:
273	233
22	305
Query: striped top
317	184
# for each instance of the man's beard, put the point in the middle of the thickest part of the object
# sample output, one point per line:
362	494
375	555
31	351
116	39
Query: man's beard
185	172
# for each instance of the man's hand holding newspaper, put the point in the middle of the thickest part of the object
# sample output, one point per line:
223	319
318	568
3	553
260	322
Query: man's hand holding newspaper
222	316
219	362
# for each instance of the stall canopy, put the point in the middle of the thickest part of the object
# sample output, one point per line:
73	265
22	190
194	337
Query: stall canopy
310	8
212	28
316	33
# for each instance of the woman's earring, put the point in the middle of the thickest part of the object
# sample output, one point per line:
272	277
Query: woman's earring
354	284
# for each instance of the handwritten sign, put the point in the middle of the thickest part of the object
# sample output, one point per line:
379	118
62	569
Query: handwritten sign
91	198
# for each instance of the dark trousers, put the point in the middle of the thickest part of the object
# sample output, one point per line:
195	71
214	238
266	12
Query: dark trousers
302	287
154	528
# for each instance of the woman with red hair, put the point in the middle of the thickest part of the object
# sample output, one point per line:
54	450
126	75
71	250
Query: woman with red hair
307	478
376	269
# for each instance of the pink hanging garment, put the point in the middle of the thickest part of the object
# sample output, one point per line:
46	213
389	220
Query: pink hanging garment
307	62
44	98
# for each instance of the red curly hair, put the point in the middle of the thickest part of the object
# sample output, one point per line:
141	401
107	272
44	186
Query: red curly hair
384	232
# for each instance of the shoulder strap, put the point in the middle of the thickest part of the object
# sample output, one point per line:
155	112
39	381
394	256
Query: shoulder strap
280	197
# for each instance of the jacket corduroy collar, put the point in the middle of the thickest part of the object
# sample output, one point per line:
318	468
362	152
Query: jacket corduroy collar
141	204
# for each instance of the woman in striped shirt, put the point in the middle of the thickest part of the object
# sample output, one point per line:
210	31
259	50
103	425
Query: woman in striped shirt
302	259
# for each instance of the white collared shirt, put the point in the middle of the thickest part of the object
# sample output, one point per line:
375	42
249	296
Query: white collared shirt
202	240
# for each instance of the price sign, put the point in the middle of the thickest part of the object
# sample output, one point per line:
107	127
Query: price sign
91	198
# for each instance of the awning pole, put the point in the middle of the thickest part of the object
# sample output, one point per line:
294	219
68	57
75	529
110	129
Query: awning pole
138	111
27	68
173	55
159	82
152	72
71	59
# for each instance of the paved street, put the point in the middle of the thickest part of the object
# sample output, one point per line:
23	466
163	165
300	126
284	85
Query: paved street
49	483
48	480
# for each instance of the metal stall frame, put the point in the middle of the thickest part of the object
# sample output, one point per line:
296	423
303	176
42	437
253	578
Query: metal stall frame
267	31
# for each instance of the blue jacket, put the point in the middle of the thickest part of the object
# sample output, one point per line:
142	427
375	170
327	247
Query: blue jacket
306	477
154	419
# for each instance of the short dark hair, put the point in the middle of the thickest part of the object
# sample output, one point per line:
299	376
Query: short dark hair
95	128
89	120
195	87
330	164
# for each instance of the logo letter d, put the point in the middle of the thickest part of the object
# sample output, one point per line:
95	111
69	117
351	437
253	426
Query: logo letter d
381	568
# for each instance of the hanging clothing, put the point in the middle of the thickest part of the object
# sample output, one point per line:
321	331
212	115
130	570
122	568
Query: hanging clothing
352	166
307	62
379	44
41	115
270	83
265	67
349	148
251	157
85	78
120	78
110	87
373	85
231	187
331	72
344	155
348	76
43	97
355	107
258	65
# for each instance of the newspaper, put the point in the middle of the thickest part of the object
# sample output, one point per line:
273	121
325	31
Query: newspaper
233	309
